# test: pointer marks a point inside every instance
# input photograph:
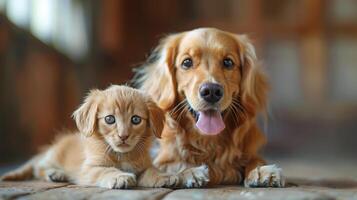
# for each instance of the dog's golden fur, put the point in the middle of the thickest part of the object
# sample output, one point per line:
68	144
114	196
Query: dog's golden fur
232	156
96	155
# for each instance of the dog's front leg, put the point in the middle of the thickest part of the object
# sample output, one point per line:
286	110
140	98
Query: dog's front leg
190	176
194	177
152	177
258	174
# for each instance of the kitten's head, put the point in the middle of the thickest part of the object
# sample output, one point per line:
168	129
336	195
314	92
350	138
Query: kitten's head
121	115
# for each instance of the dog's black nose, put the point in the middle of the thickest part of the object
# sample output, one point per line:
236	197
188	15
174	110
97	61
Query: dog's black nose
211	92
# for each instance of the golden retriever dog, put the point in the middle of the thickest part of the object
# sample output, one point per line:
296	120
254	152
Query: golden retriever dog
116	129
212	89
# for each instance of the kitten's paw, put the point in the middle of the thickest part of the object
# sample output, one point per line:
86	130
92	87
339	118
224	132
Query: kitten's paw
119	181
265	176
55	175
195	177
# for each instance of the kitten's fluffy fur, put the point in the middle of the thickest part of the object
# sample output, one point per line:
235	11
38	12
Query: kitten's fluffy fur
98	155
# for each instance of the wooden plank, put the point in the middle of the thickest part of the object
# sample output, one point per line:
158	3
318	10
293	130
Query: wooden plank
135	194
340	194
11	190
299	190
49	191
241	193
69	192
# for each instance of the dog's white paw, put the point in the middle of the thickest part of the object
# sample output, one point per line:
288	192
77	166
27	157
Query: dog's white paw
195	177
118	181
167	181
265	176
55	175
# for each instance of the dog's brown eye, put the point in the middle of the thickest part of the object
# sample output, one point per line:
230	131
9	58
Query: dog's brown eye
109	119
135	120
187	63
228	63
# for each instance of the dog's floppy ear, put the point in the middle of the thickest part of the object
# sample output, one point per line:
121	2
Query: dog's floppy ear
86	115
254	85
156	118
157	75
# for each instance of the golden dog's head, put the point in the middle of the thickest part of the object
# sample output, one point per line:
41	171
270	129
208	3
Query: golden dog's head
212	71
122	116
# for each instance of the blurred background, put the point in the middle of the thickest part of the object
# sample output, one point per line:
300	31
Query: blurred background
53	51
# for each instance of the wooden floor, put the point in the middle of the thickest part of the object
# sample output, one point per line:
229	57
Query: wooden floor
299	190
313	181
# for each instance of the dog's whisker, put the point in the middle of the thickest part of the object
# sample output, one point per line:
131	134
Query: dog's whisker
179	112
239	109
178	107
240	106
240	113
180	104
182	113
236	117
229	111
233	110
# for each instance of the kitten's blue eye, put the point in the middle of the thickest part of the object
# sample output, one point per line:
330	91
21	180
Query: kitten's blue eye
135	120
109	119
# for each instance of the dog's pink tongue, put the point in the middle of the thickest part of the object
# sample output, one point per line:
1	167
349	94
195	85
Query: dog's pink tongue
210	122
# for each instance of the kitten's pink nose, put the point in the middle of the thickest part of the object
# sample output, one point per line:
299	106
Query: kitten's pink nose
123	137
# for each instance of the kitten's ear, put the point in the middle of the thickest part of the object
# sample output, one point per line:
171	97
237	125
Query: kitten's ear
86	115
156	118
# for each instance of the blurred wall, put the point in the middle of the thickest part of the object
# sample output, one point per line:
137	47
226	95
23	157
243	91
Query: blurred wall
49	60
